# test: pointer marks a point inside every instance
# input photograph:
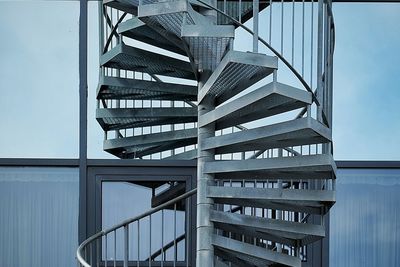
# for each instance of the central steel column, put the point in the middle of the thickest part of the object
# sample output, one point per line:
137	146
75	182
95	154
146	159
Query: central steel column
204	227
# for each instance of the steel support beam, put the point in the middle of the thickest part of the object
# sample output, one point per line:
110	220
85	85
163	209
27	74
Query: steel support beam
83	45
204	226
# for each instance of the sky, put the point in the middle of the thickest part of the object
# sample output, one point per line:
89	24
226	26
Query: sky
39	80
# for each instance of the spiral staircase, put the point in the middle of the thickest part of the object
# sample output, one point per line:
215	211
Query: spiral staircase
263	189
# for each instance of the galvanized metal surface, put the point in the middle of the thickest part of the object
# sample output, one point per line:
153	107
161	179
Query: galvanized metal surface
291	172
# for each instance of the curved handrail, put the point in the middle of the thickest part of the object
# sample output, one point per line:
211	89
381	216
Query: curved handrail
298	76
124	223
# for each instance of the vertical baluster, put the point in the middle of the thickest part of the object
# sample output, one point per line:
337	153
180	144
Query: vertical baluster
282	14
255	25
98	257
188	231
111	26
115	248
293	13
126	245
150	240
175	248
240	11
302	40
319	58
312	44
106	22
270	22
86	253
162	238
138	244
326	80
105	251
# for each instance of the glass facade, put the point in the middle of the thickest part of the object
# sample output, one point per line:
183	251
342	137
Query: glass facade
39	104
364	222
39	79
121	201
38	216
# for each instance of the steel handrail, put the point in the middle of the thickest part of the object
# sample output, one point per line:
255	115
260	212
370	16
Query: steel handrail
126	222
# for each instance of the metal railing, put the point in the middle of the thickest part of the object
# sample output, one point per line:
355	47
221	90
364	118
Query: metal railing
94	250
322	64
319	17
303	13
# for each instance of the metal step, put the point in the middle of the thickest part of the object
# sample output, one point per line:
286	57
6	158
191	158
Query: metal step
285	232
131	58
298	200
304	131
299	167
167	146
207	43
125	88
150	143
130	6
136	29
170	15
236	72
251	254
123	118
269	100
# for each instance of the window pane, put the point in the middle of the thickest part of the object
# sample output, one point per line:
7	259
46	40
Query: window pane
364	222
366	122
39	78
123	200
39	216
95	132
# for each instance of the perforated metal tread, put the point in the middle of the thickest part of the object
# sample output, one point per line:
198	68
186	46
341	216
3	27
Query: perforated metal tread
122	118
304	131
269	100
251	254
170	15
135	29
153	139
285	232
236	72
298	200
207	44
299	167
133	89
150	143
130	58
140	151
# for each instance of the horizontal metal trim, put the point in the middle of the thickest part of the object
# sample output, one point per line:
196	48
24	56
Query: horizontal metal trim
367	164
63	162
140	163
42	162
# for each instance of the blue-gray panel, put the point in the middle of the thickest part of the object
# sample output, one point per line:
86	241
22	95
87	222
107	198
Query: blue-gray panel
38	216
365	220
